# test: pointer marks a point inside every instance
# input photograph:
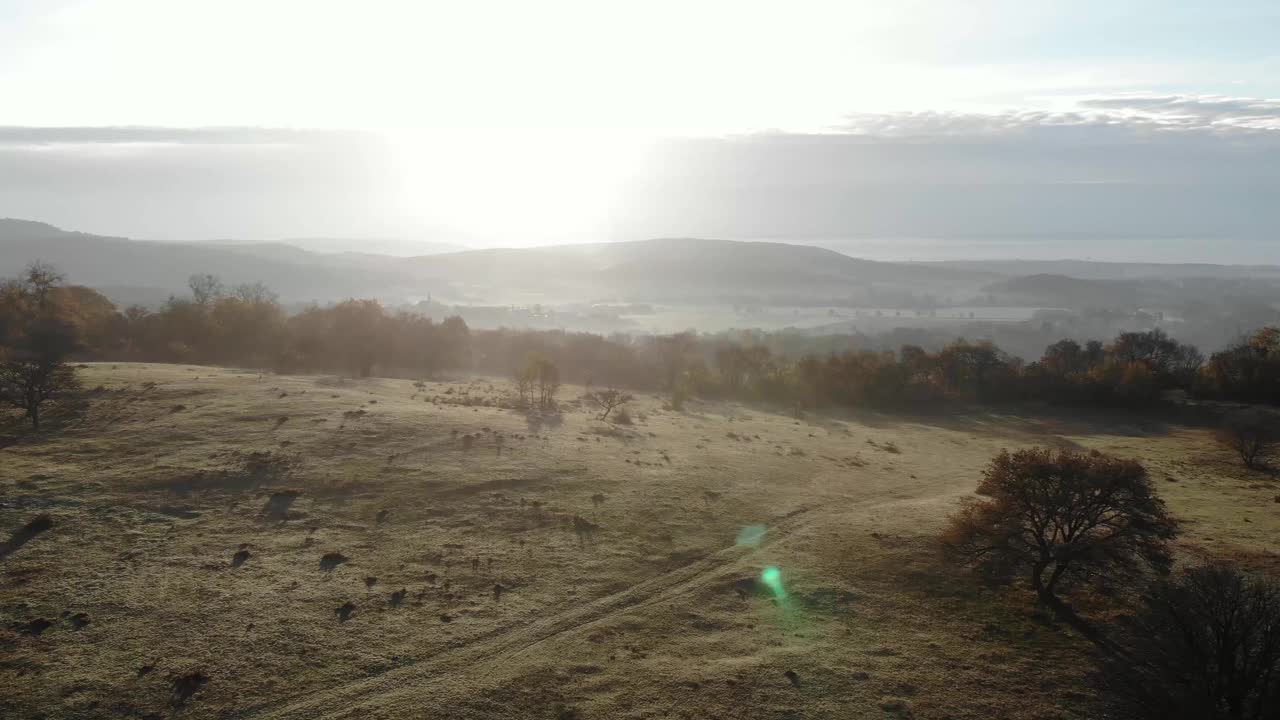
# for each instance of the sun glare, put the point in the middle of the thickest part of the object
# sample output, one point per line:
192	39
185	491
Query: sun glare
519	188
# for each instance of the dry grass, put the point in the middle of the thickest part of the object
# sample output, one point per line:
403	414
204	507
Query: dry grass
581	573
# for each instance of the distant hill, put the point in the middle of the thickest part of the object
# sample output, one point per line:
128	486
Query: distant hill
1092	270
673	270
685	269
152	269
1068	292
670	270
394	247
339	247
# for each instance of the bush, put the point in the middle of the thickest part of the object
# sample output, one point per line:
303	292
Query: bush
1251	434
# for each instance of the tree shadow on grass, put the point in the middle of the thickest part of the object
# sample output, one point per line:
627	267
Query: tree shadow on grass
537	420
25	534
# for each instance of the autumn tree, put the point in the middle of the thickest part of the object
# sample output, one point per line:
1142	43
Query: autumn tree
1061	517
246	326
1204	646
1248	371
973	370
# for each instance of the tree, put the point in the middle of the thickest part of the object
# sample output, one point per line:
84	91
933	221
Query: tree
38	331
33	368
356	335
1203	647
973	370
256	293
1248	371
608	400
246	326
1170	361
524	385
454	341
1066	358
1059	517
731	362
205	288
39	279
1253	434
547	376
673	353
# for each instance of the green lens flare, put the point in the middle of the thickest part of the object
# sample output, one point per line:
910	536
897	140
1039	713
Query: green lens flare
772	577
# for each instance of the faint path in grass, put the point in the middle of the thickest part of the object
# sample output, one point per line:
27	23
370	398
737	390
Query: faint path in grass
469	666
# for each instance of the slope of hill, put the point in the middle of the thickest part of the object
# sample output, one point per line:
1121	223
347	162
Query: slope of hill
229	545
103	261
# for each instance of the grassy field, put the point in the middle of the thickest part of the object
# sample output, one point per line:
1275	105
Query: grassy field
230	544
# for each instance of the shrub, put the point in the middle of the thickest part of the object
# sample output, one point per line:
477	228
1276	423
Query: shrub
1251	434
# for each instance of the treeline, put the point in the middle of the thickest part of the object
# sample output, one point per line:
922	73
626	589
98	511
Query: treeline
246	326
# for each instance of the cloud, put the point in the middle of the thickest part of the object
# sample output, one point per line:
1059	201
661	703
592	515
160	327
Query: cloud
960	124
1129	116
1195	111
128	135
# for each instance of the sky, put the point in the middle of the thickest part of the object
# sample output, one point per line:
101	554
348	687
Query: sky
1102	129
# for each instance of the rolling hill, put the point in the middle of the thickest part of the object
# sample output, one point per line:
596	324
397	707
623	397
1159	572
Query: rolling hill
688	271
673	270
683	269
160	267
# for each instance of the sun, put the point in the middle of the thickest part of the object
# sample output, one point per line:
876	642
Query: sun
515	187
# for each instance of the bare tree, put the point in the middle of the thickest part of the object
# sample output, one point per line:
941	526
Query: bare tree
1203	647
1253	435
524	385
205	288
38	279
548	378
255	293
1059	516
608	400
